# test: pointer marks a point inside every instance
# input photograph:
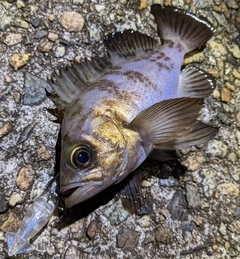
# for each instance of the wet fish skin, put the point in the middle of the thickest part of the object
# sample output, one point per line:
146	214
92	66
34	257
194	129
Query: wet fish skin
134	103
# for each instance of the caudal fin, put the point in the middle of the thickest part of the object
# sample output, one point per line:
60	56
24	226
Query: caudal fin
177	25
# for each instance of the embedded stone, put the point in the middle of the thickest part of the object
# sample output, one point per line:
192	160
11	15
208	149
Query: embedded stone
72	21
19	60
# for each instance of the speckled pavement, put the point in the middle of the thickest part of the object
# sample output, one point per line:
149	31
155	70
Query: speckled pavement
195	215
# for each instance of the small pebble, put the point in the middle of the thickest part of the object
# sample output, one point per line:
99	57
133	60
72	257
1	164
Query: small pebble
217	148
17	97
15	198
235	50
60	52
7	79
92	229
72	21
194	57
11	224
13	39
234	227
163	234
193	197
5	22
127	238
20	4
40	34
34	89
36	22
43	153
236	73
229	189
209	181
143	4
19	60
100	7
144	221
25	177
51	17
222	229
188	226
22	24
217	49
225	95
5	129
177	207
45	46
52	36
115	213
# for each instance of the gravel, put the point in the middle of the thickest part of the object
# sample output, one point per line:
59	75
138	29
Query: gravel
191	215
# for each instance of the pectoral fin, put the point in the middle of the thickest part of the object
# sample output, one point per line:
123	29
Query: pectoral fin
167	120
199	134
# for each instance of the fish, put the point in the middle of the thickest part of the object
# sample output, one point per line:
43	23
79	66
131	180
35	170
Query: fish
135	102
36	217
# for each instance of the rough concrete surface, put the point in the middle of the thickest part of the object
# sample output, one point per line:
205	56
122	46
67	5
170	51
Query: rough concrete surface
194	215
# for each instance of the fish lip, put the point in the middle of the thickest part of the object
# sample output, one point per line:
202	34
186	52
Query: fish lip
79	192
70	188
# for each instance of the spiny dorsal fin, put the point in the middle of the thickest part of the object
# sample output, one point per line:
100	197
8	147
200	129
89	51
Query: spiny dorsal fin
167	120
177	25
73	80
129	43
195	82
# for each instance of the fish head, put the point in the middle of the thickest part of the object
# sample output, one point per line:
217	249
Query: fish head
93	156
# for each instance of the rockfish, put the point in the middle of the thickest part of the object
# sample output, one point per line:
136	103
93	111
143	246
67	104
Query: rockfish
134	103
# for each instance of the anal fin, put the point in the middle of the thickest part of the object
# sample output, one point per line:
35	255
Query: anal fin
195	82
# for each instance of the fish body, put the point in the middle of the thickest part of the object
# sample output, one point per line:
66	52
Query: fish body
120	110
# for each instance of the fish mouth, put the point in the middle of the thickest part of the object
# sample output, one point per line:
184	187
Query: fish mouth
79	192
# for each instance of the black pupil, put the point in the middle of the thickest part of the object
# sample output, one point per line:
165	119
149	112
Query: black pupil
83	157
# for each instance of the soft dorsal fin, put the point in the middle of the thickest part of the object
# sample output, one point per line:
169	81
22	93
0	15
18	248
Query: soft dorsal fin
72	80
129	43
195	82
167	120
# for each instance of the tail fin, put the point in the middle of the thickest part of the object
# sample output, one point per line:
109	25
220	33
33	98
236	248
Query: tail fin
182	26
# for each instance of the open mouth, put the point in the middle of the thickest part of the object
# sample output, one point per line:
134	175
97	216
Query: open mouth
79	192
70	189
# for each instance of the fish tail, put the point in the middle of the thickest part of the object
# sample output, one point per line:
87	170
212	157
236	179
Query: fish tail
190	30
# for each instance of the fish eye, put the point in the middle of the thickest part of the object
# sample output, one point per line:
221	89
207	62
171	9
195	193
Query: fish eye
81	156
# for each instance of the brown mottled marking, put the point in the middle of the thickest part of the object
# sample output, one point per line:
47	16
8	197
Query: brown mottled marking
164	66
171	44
137	76
160	55
108	86
180	47
166	59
